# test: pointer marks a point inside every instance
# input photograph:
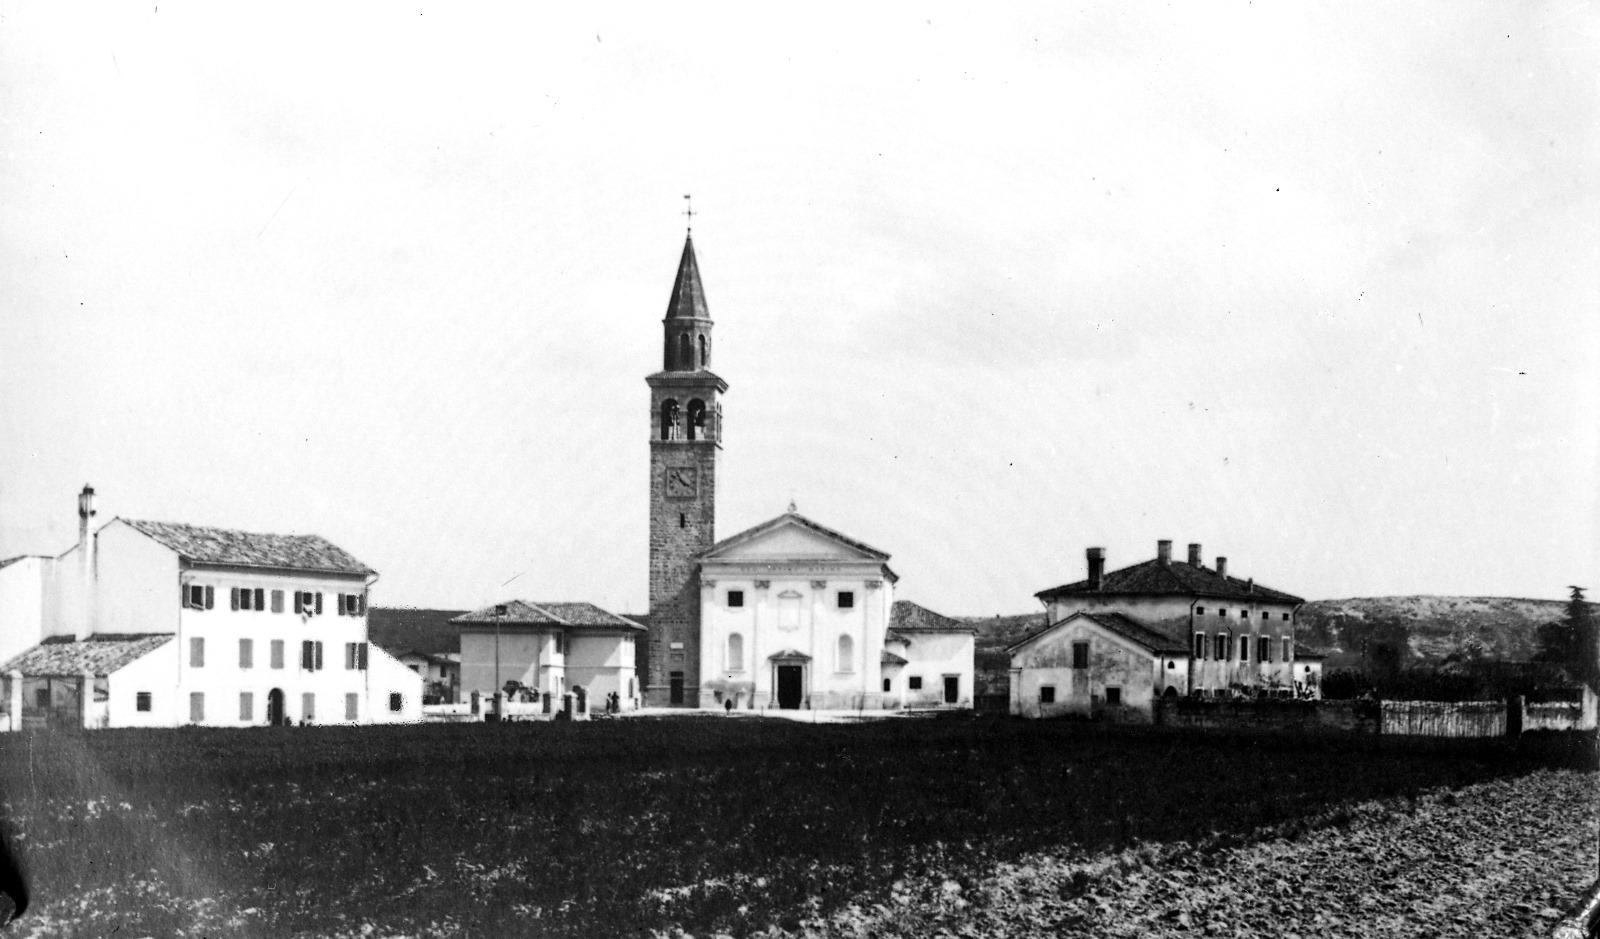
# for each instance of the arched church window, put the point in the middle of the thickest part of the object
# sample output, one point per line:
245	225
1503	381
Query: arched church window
847	654
697	418
705	352
685	352
735	652
669	419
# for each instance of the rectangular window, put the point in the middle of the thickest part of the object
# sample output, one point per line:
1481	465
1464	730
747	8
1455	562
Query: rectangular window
1113	696
887	682
1222	643
1266	615
351	707
736	598
361	656
197	652
1199	611
396	702
308	706
247	706
1244	648
247	653
1080	655
847	599
277	653
914	683
1222	611
141	701
352	604
1047	694
197	706
561	644
350	656
41	698
1199	645
277	601
1286	617
1288	650
1264	650
311	655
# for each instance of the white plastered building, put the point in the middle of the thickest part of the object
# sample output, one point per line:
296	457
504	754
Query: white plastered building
159	624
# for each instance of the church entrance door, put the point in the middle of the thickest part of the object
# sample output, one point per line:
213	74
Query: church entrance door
275	708
789	692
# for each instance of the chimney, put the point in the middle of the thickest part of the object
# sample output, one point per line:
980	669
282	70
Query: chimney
1097	568
85	512
1194	555
1164	552
82	618
1222	566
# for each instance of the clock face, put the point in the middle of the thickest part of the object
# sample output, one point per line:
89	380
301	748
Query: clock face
681	482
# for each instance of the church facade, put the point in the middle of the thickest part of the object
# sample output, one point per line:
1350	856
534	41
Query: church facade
788	614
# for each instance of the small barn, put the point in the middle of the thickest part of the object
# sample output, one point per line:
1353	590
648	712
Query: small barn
1096	664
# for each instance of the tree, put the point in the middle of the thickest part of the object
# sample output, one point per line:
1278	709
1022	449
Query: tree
1584	634
1573	641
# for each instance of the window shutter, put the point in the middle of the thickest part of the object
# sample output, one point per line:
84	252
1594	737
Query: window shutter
261	598
319	655
361	606
297	604
211	597
341	604
305	655
183	595
233	597
362	656
277	601
319	603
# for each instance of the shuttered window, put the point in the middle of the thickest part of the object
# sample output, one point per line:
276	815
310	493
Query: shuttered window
247	706
351	707
197	652
197	706
247	653
277	601
277	653
308	706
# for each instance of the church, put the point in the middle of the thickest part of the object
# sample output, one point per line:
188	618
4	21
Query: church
787	614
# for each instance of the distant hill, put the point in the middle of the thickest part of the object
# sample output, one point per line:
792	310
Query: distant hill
1430	628
401	629
1424	630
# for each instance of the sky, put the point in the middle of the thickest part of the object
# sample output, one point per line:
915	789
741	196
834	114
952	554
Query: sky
1313	286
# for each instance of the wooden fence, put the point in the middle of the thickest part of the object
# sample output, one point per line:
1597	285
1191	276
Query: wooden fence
1440	719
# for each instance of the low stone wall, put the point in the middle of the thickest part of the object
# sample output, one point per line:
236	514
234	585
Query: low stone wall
1269	716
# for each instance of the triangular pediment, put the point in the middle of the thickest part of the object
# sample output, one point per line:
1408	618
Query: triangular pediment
791	537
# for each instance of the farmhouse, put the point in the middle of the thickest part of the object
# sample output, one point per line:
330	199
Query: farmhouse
549	649
787	614
1160	628
156	624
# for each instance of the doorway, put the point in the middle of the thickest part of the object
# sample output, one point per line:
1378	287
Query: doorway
790	681
275	715
675	686
952	689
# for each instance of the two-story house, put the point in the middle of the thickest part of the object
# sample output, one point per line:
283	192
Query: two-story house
162	624
1158	628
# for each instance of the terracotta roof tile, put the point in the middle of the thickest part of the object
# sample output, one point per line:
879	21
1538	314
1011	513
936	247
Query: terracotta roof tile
910	617
251	549
1123	625
525	613
1153	578
64	657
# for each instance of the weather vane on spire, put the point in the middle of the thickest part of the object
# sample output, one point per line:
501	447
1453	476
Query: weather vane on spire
688	212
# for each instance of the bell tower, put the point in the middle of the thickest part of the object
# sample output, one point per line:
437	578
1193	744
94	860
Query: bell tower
685	437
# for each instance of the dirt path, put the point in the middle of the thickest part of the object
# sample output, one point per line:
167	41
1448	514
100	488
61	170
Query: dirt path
1496	859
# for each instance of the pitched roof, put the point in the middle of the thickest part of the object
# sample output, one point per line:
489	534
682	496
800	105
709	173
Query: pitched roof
889	658
251	549
1301	652
1175	578
1122	625
22	557
792	517
102	654
688	297
910	617
524	613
